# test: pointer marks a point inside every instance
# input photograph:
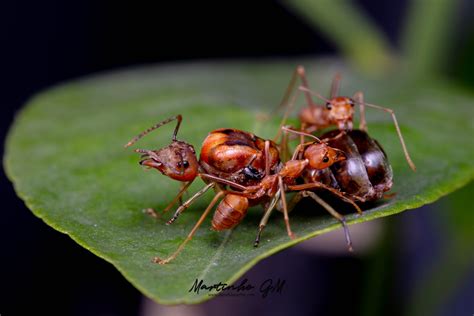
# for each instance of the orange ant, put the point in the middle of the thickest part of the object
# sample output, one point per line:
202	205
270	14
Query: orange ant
338	110
175	160
178	161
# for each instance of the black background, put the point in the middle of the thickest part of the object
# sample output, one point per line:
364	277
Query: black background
46	42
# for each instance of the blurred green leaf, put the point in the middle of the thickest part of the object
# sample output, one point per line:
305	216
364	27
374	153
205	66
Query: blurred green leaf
351	30
65	157
427	36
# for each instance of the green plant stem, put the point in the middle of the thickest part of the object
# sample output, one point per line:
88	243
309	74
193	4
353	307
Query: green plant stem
425	39
359	40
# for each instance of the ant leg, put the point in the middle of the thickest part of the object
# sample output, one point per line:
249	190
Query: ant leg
189	202
223	181
336	83
359	98
191	234
334	213
301	73
285	208
311	92
184	187
302	128
288	129
284	147
266	216
178	117
267	157
399	132
287	113
340	194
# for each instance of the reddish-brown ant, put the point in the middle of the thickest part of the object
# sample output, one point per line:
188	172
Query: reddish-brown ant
338	110
315	155
272	186
237	156
171	161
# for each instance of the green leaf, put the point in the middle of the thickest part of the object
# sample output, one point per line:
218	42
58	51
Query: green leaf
65	157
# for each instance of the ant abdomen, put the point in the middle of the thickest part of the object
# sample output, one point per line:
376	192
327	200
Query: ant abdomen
237	156
366	172
230	212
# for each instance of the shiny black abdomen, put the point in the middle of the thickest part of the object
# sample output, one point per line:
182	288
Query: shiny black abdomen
366	172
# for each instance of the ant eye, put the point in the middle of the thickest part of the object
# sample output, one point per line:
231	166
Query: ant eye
184	164
325	159
328	106
351	102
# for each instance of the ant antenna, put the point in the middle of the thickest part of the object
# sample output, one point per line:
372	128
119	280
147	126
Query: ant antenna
288	129
399	132
178	117
304	89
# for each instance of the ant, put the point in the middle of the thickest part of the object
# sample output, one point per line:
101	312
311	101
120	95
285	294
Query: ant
178	161
338	110
314	155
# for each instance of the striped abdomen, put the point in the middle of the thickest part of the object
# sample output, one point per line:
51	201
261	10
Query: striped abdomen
230	212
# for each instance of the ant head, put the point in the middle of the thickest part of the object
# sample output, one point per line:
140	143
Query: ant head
177	161
341	111
321	156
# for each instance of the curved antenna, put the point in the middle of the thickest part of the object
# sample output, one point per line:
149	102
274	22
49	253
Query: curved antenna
178	117
399	132
288	129
301	88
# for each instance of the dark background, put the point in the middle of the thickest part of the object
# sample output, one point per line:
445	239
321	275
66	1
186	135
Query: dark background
46	42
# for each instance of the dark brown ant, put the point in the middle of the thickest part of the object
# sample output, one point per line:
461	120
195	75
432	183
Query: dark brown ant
338	110
365	175
316	155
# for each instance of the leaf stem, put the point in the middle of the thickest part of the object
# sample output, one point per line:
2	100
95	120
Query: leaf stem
359	39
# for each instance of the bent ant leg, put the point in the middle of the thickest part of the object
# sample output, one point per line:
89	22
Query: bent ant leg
335	85
191	234
266	216
285	208
267	158
288	129
341	195
189	202
333	212
223	181
359	98
399	132
307	134
179	196
298	73
178	117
